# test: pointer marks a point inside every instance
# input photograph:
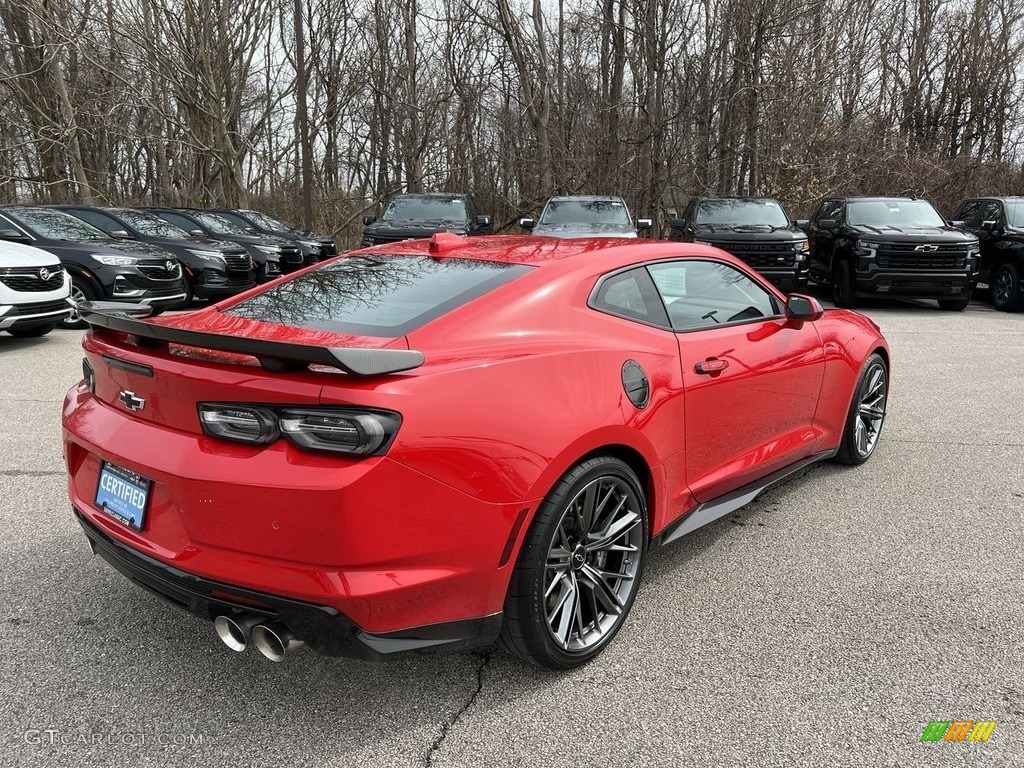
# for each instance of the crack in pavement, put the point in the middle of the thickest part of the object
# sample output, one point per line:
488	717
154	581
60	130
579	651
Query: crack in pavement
485	659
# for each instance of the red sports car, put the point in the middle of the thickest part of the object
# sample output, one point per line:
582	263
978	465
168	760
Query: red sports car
449	442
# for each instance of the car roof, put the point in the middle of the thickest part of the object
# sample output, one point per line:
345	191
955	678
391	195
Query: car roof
878	198
583	198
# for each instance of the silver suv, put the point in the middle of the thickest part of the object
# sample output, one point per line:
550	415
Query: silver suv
34	290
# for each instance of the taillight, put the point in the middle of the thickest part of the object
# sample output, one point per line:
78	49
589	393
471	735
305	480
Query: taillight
243	423
345	431
354	433
88	375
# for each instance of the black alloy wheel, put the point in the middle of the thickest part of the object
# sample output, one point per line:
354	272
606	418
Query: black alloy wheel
867	413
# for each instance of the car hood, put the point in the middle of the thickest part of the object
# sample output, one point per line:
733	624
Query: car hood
200	243
406	230
918	234
302	234
717	234
18	255
585	230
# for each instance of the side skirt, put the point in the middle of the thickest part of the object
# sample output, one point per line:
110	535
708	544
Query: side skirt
710	511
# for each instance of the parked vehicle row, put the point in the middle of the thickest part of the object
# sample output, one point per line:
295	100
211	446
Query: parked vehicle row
162	257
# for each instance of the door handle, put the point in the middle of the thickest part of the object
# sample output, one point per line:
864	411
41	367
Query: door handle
711	365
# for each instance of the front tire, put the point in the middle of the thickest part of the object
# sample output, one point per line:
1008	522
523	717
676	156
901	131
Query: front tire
954	305
579	568
867	413
80	291
33	332
1006	293
842	285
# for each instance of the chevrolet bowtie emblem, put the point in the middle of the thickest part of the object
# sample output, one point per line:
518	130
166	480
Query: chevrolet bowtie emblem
130	401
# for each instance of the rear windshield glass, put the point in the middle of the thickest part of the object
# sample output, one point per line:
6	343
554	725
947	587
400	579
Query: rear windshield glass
376	296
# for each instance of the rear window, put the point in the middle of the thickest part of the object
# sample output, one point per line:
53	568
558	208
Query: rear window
378	295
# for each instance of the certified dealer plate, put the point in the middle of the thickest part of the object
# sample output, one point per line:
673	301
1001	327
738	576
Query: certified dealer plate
123	494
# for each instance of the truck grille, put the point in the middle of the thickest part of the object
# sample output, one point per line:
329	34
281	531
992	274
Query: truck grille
762	255
328	248
157	270
27	279
290	255
906	256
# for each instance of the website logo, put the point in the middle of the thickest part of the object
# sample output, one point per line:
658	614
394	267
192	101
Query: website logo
958	730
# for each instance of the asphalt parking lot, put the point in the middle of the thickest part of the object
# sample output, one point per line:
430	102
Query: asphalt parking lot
823	625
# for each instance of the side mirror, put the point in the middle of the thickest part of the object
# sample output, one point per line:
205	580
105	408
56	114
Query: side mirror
527	223
957	223
677	224
801	223
989	226
120	234
14	236
483	221
368	220
827	224
801	307
642	224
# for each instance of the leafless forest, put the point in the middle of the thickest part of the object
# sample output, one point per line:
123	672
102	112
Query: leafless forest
256	102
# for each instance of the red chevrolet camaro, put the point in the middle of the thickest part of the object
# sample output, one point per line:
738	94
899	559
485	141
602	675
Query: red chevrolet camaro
444	443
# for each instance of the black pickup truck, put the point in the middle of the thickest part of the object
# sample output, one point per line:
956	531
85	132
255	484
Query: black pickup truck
999	224
419	215
898	247
756	230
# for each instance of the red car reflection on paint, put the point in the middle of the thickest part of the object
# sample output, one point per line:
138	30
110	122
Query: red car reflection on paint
443	443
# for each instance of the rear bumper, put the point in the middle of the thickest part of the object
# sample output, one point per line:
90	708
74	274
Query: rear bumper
322	628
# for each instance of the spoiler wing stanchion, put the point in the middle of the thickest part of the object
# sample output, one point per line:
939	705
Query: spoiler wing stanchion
274	356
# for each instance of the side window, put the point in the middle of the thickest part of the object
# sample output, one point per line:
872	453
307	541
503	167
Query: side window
631	295
968	213
830	209
705	294
187	224
992	210
100	220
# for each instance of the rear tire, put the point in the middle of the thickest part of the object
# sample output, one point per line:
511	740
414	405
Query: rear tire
579	568
867	413
1006	293
33	332
842	285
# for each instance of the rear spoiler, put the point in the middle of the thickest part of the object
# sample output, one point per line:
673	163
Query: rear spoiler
274	356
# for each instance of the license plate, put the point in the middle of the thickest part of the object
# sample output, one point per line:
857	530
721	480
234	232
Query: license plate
122	494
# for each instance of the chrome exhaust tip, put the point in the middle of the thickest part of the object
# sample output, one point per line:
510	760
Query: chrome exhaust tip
274	640
236	631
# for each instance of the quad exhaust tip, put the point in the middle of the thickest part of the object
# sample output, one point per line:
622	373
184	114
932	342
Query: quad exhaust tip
274	640
236	631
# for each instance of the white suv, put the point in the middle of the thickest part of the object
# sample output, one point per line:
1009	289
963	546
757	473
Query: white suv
34	290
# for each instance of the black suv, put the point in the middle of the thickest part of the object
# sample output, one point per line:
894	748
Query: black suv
998	223
314	247
213	269
101	267
272	256
418	215
756	230
891	246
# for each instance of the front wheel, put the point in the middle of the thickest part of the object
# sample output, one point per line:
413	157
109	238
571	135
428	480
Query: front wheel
954	305
80	291
842	285
1006	293
867	413
580	566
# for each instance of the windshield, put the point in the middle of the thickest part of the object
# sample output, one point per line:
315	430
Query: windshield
559	212
218	224
266	222
741	213
425	208
57	225
1015	212
151	225
379	296
893	213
